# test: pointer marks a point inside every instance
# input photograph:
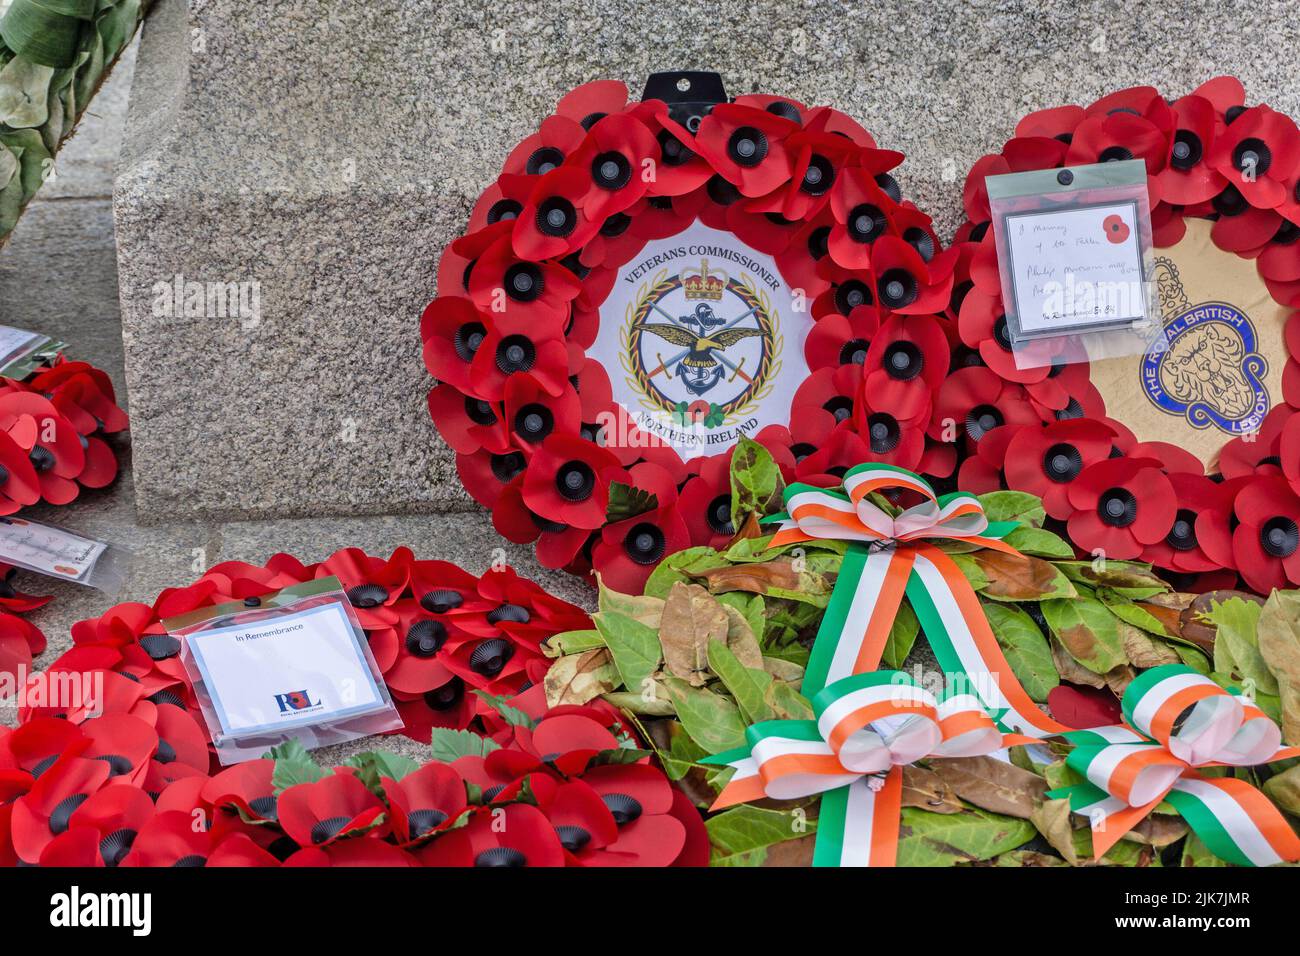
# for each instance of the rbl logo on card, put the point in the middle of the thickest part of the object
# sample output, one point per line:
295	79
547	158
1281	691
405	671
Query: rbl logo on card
295	700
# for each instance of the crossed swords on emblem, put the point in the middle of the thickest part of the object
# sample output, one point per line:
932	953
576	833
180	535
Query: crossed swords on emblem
703	350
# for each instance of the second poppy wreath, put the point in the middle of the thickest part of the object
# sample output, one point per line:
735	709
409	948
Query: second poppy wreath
649	283
1190	458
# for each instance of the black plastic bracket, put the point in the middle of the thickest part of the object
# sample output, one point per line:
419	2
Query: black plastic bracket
690	94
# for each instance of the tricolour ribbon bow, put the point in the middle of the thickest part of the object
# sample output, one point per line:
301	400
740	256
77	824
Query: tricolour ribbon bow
1179	721
867	728
889	556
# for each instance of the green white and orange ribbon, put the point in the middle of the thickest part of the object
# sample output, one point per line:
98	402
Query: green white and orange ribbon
1179	722
888	557
892	556
867	728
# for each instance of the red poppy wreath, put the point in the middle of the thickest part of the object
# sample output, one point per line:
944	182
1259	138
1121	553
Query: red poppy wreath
437	634
1189	460
648	281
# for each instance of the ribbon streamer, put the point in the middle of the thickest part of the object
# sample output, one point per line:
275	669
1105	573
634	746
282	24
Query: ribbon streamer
1179	722
888	557
867	728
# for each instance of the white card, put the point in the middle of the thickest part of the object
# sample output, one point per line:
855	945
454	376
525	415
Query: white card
47	550
286	671
1076	269
15	343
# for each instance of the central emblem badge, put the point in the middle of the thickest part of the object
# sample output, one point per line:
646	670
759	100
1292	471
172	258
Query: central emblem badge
703	340
701	345
1211	373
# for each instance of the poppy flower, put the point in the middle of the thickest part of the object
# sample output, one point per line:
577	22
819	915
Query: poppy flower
639	798
521	295
332	808
20	642
1260	451
629	549
824	400
502	201
45	811
705	503
424	802
1266	541
547	149
1240	226
972	402
1046	461
468	424
1109	137
905	364
102	830
564	481
544	359
679	169
836	339
170	839
863	214
520	836
1257	153
610	157
1189	178
373	585
556	543
1180	550
51	442
747	146
1058	122
453	331
1122	505
555	219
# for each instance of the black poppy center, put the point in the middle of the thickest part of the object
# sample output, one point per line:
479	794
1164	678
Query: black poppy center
819	242
515	353
534	422
673	150
556	216
1072	410
624	808
510	613
501	856
115	847
160	646
747	146
425	638
1230	202
802	450
63	811
898	288
490	657
191	860
467	340
785	110
889	186
866	223
1182	536
117	764
543	160
1002	333
479	411
1279	537
841	407
447	696
4	474
1252	155
981	420
1115	154
325	830
645	544
819	176
367	595
883	433
504	209
524	281
718	515
441	600
420	822
849	295
506	467
575	481
1187	151
854	352
1117	508
41	457
573	838
611	170
265	807
921	241
1062	463
903	360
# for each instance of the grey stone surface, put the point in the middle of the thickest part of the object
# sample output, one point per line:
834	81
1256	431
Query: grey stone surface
329	150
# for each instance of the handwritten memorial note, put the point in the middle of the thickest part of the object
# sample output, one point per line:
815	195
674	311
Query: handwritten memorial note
1076	269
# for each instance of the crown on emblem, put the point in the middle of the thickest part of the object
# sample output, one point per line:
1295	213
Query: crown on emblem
703	284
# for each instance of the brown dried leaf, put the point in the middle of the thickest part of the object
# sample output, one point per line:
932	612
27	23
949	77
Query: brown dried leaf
1279	644
1118	679
1052	818
1072	671
926	789
691	618
1194	624
578	678
764	578
749	529
1019	577
797	853
1157	830
741	640
992	784
1143	650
